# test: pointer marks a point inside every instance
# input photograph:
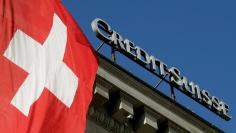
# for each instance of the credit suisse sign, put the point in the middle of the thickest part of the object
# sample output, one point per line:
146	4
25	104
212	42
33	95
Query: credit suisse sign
109	36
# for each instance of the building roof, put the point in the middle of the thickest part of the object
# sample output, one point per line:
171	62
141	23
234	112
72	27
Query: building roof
151	88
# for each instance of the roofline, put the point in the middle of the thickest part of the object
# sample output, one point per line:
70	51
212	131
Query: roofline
160	93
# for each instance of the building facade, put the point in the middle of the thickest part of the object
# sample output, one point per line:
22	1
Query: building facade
122	103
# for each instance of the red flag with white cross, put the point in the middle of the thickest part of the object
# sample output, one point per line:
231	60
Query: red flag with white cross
47	69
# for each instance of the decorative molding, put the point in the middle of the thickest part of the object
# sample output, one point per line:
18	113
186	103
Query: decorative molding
101	94
176	127
107	122
155	100
122	108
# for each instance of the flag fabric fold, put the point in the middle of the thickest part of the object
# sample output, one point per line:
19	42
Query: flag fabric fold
47	69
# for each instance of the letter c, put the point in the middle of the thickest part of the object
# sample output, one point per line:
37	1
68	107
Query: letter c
99	25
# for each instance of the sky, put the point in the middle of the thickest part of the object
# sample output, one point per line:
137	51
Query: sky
196	36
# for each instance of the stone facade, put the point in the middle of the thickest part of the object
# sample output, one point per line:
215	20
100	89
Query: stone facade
123	103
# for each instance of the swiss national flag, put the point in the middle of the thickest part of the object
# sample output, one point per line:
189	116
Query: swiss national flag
47	69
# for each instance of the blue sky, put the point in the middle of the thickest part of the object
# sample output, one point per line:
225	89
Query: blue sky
198	37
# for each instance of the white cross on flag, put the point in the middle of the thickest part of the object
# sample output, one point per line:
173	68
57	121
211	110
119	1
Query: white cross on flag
47	69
